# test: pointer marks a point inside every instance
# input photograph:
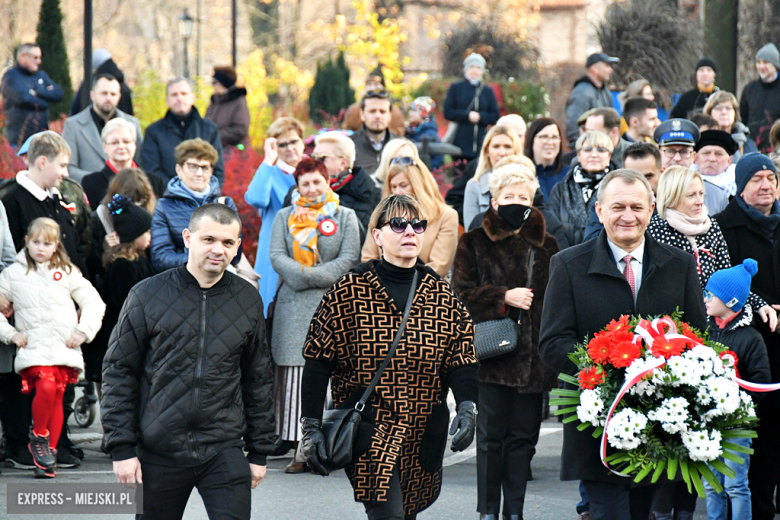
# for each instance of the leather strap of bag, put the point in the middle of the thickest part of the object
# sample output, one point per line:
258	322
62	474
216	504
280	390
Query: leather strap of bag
364	399
530	279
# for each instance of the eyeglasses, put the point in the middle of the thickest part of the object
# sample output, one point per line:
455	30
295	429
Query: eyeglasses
671	152
590	149
193	168
708	296
398	225
284	145
322	156
403	161
549	138
723	108
377	94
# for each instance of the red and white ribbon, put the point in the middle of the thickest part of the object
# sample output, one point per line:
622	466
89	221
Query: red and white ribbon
649	332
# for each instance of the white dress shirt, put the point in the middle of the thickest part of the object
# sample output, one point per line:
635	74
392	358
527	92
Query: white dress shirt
637	258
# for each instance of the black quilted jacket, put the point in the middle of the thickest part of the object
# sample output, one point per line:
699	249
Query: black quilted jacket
188	373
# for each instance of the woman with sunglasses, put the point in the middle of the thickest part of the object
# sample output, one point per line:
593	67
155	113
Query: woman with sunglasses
491	277
399	147
501	141
283	151
571	199
397	458
313	243
409	177
194	186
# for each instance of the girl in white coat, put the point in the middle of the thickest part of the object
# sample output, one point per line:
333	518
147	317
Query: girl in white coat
42	285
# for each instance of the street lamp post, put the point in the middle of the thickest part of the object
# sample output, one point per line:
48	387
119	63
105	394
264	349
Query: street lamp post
185	31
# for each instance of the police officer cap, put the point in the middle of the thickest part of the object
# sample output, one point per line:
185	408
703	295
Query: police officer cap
676	131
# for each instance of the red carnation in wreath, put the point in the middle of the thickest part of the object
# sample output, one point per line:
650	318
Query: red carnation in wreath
667	348
599	348
736	359
591	377
619	324
624	353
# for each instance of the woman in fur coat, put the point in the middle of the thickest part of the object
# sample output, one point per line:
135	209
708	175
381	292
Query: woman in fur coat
491	277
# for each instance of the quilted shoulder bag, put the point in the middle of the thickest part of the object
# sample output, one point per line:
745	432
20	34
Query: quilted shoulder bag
340	427
498	337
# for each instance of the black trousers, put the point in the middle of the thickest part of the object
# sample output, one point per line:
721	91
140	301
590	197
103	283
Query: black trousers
393	507
16	413
507	432
764	474
224	484
617	501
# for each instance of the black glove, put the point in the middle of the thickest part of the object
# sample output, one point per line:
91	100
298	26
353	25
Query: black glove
465	423
313	445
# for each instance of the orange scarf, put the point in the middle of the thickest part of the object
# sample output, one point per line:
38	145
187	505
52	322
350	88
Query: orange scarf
303	222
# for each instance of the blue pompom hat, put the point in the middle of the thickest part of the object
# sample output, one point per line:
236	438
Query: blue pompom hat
732	285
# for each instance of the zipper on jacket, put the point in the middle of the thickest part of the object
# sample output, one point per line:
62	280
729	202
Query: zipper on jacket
199	366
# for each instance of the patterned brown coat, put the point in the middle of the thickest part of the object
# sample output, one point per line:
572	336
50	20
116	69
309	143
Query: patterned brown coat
351	332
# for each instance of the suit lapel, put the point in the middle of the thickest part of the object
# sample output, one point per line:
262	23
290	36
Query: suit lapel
91	135
602	262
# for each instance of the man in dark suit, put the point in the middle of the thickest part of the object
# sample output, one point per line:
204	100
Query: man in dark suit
622	271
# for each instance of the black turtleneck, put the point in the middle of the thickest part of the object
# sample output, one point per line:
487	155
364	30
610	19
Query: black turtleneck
397	281
100	123
182	120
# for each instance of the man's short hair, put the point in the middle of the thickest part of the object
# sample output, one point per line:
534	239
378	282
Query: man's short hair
345	147
628	176
639	151
195	149
174	81
114	125
25	48
219	213
701	119
611	117
636	107
103	75
47	144
376	94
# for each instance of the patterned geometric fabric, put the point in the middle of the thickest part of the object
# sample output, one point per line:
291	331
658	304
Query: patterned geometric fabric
352	332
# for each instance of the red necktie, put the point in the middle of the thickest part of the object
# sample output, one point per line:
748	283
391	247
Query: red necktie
629	274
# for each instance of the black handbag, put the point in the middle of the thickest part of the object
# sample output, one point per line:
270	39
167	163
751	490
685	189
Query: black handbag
499	337
340	427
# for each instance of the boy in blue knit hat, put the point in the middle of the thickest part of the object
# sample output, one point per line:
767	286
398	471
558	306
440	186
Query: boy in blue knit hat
730	320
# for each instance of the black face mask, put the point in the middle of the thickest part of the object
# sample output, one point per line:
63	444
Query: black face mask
514	214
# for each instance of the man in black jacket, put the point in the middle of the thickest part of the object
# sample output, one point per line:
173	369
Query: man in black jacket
623	271
759	105
187	380
181	122
372	136
751	227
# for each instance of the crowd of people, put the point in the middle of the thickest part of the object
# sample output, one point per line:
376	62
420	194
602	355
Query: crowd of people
370	288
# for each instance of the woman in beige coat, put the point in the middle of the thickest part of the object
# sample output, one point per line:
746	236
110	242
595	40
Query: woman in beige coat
407	176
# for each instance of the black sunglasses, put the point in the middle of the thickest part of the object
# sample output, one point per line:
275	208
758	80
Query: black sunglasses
403	161
398	225
379	93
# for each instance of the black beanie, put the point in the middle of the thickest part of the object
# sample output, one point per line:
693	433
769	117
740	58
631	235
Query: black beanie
130	221
707	62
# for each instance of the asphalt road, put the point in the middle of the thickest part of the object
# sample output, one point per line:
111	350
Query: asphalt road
308	496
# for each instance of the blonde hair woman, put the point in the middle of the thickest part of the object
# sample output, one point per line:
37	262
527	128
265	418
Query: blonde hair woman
441	236
683	222
501	141
400	147
571	199
490	276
